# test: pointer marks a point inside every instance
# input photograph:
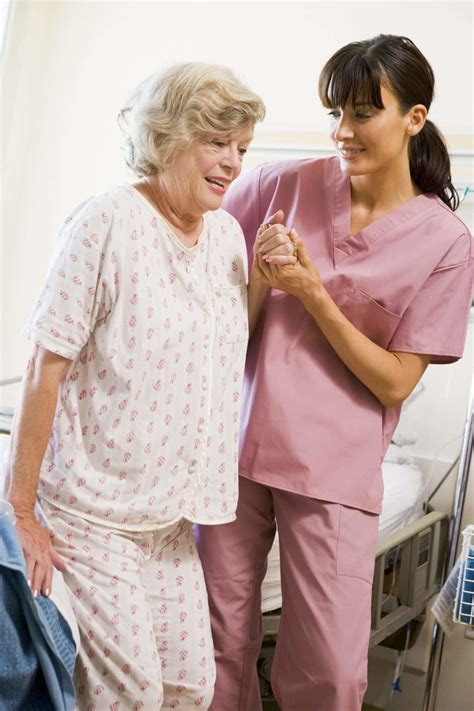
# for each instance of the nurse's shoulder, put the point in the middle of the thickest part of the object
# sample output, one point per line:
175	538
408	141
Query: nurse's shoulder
290	175
450	234
279	185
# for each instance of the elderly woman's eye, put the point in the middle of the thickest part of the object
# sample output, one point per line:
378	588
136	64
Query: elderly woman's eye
218	144
242	151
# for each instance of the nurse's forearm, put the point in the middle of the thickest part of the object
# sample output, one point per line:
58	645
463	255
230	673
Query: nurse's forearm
257	291
388	375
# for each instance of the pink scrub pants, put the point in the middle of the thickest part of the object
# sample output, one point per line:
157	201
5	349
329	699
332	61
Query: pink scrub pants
327	559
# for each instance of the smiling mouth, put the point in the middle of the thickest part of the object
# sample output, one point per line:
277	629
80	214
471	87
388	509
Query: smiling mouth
215	182
350	153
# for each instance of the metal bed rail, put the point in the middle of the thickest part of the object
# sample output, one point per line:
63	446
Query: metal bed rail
415	559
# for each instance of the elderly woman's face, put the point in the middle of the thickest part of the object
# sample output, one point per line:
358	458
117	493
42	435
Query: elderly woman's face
202	172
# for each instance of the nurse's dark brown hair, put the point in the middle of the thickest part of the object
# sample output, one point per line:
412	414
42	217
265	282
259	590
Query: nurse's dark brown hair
356	72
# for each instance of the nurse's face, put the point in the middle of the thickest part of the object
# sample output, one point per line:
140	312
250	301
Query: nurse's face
370	140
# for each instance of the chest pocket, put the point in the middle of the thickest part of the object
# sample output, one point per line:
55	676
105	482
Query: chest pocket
368	316
230	304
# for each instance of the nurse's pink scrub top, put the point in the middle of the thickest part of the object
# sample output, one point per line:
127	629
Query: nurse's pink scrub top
309	425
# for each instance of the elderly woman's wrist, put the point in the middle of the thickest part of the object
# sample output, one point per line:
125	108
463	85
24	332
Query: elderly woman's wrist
257	278
22	506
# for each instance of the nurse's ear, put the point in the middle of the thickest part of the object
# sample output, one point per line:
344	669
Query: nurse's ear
416	116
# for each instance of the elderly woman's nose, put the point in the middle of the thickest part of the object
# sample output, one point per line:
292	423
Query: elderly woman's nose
232	157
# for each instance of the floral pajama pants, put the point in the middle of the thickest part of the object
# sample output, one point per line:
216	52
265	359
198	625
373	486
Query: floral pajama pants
141	606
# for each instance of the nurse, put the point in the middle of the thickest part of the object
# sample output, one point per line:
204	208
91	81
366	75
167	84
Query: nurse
382	288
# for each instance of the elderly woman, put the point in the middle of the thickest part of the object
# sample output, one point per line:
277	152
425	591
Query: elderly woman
127	426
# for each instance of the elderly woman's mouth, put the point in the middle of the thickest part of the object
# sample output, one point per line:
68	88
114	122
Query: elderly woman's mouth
217	183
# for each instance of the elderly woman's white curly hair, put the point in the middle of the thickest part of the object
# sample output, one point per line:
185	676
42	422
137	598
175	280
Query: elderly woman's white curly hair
188	101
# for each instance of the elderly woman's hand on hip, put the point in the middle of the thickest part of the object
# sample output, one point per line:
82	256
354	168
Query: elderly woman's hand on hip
300	278
39	553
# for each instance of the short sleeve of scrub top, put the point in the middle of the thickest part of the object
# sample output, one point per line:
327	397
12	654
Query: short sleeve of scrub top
434	322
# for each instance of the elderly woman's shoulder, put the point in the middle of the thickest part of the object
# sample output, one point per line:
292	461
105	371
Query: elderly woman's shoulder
120	201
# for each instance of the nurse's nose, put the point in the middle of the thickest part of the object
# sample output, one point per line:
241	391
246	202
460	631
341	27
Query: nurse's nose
342	130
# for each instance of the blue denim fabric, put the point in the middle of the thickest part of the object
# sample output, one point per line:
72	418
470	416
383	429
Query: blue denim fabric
37	650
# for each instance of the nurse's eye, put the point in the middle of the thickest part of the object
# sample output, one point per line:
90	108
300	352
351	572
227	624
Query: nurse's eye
334	113
363	116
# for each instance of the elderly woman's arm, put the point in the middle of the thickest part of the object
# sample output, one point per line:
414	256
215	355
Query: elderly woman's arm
257	292
31	432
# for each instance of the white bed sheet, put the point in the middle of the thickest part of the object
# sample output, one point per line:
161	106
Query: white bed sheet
402	504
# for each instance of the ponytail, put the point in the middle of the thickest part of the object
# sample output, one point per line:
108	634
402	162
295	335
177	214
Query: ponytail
430	166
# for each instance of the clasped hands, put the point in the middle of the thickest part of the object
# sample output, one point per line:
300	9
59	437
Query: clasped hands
281	260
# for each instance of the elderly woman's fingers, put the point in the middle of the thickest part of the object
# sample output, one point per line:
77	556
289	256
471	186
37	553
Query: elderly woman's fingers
264	267
30	568
42	571
276	219
280	243
267	232
39	554
57	561
280	260
39	578
286	249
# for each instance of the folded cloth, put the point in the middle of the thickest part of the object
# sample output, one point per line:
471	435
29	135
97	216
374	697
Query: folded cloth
37	651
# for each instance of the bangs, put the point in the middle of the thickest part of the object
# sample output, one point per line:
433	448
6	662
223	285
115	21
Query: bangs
352	79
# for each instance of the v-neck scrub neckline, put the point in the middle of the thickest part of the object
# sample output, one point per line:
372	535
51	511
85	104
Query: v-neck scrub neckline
347	243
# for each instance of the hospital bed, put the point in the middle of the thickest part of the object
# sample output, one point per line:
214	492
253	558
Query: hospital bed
410	558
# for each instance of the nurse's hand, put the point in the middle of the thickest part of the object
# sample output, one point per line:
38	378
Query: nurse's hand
301	279
273	241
